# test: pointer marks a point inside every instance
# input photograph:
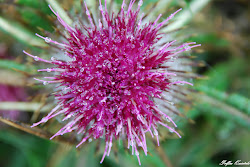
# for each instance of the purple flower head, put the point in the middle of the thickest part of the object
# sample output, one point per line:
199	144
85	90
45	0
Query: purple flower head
116	78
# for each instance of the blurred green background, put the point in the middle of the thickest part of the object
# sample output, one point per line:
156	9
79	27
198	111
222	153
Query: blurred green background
221	109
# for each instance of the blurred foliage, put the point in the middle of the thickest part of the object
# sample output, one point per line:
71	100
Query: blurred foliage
222	106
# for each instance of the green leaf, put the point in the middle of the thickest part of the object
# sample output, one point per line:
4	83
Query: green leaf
20	33
34	20
210	39
38	4
27	145
10	64
235	100
220	108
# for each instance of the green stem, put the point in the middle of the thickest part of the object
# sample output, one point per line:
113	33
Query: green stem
24	106
186	15
62	13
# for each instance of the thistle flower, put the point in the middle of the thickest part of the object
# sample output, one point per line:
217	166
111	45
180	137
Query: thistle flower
118	78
